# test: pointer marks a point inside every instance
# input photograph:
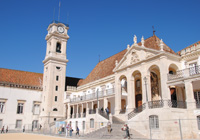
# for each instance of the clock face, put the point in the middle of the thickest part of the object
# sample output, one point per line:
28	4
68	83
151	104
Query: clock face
60	29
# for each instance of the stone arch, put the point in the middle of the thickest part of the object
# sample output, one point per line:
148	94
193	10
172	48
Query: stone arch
123	84
172	68
137	88
155	83
58	47
55	109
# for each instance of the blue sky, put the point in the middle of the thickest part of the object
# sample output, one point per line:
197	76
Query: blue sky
97	27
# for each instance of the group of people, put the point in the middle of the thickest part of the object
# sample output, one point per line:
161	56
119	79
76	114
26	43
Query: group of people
69	130
125	128
106	110
2	129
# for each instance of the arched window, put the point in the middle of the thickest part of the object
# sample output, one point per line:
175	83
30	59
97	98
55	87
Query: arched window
198	121
91	123
55	109
153	122
58	47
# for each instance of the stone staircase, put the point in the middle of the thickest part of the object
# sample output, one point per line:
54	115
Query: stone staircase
116	133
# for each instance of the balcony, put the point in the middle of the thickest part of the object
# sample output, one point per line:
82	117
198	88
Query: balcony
185	73
93	95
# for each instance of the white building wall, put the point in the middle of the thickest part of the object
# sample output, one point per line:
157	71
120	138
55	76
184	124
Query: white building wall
12	95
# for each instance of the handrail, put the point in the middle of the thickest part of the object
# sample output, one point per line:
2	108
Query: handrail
103	114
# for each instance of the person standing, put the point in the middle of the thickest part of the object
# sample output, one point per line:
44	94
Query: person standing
40	126
2	129
109	127
7	129
126	129
67	130
77	131
70	131
24	128
107	111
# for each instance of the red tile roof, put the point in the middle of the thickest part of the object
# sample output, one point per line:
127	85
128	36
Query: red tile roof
105	67
20	77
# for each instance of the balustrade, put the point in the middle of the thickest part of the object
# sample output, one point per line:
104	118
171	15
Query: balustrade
185	73
93	95
92	111
155	104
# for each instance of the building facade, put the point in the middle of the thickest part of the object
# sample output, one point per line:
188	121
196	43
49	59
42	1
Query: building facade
147	81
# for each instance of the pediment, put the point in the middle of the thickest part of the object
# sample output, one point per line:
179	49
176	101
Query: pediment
133	56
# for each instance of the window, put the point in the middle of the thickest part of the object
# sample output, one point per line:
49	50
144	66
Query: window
35	124
55	109
58	48
193	68
153	122
57	78
36	109
56	98
20	107
56	88
198	122
197	98
18	124
54	119
57	68
91	123
2	106
76	123
1	123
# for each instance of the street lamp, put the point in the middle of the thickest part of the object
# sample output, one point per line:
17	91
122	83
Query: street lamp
145	80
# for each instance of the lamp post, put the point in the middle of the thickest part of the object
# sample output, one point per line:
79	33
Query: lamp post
145	80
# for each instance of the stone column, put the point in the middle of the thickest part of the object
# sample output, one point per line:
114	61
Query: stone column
165	93
82	110
105	103
92	105
117	96
73	111
77	113
69	110
145	86
87	108
191	104
63	48
131	93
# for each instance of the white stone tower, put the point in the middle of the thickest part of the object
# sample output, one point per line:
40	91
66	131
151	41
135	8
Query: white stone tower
55	61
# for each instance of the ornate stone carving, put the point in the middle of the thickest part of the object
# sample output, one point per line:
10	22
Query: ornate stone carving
135	40
142	41
148	55
134	57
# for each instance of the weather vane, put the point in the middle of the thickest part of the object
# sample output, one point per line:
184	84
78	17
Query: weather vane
153	30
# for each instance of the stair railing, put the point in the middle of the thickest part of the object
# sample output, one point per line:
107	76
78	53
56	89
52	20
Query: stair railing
136	111
103	114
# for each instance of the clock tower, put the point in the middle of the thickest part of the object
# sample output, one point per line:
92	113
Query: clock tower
55	62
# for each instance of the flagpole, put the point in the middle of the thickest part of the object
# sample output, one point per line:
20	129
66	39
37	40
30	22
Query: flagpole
59	12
